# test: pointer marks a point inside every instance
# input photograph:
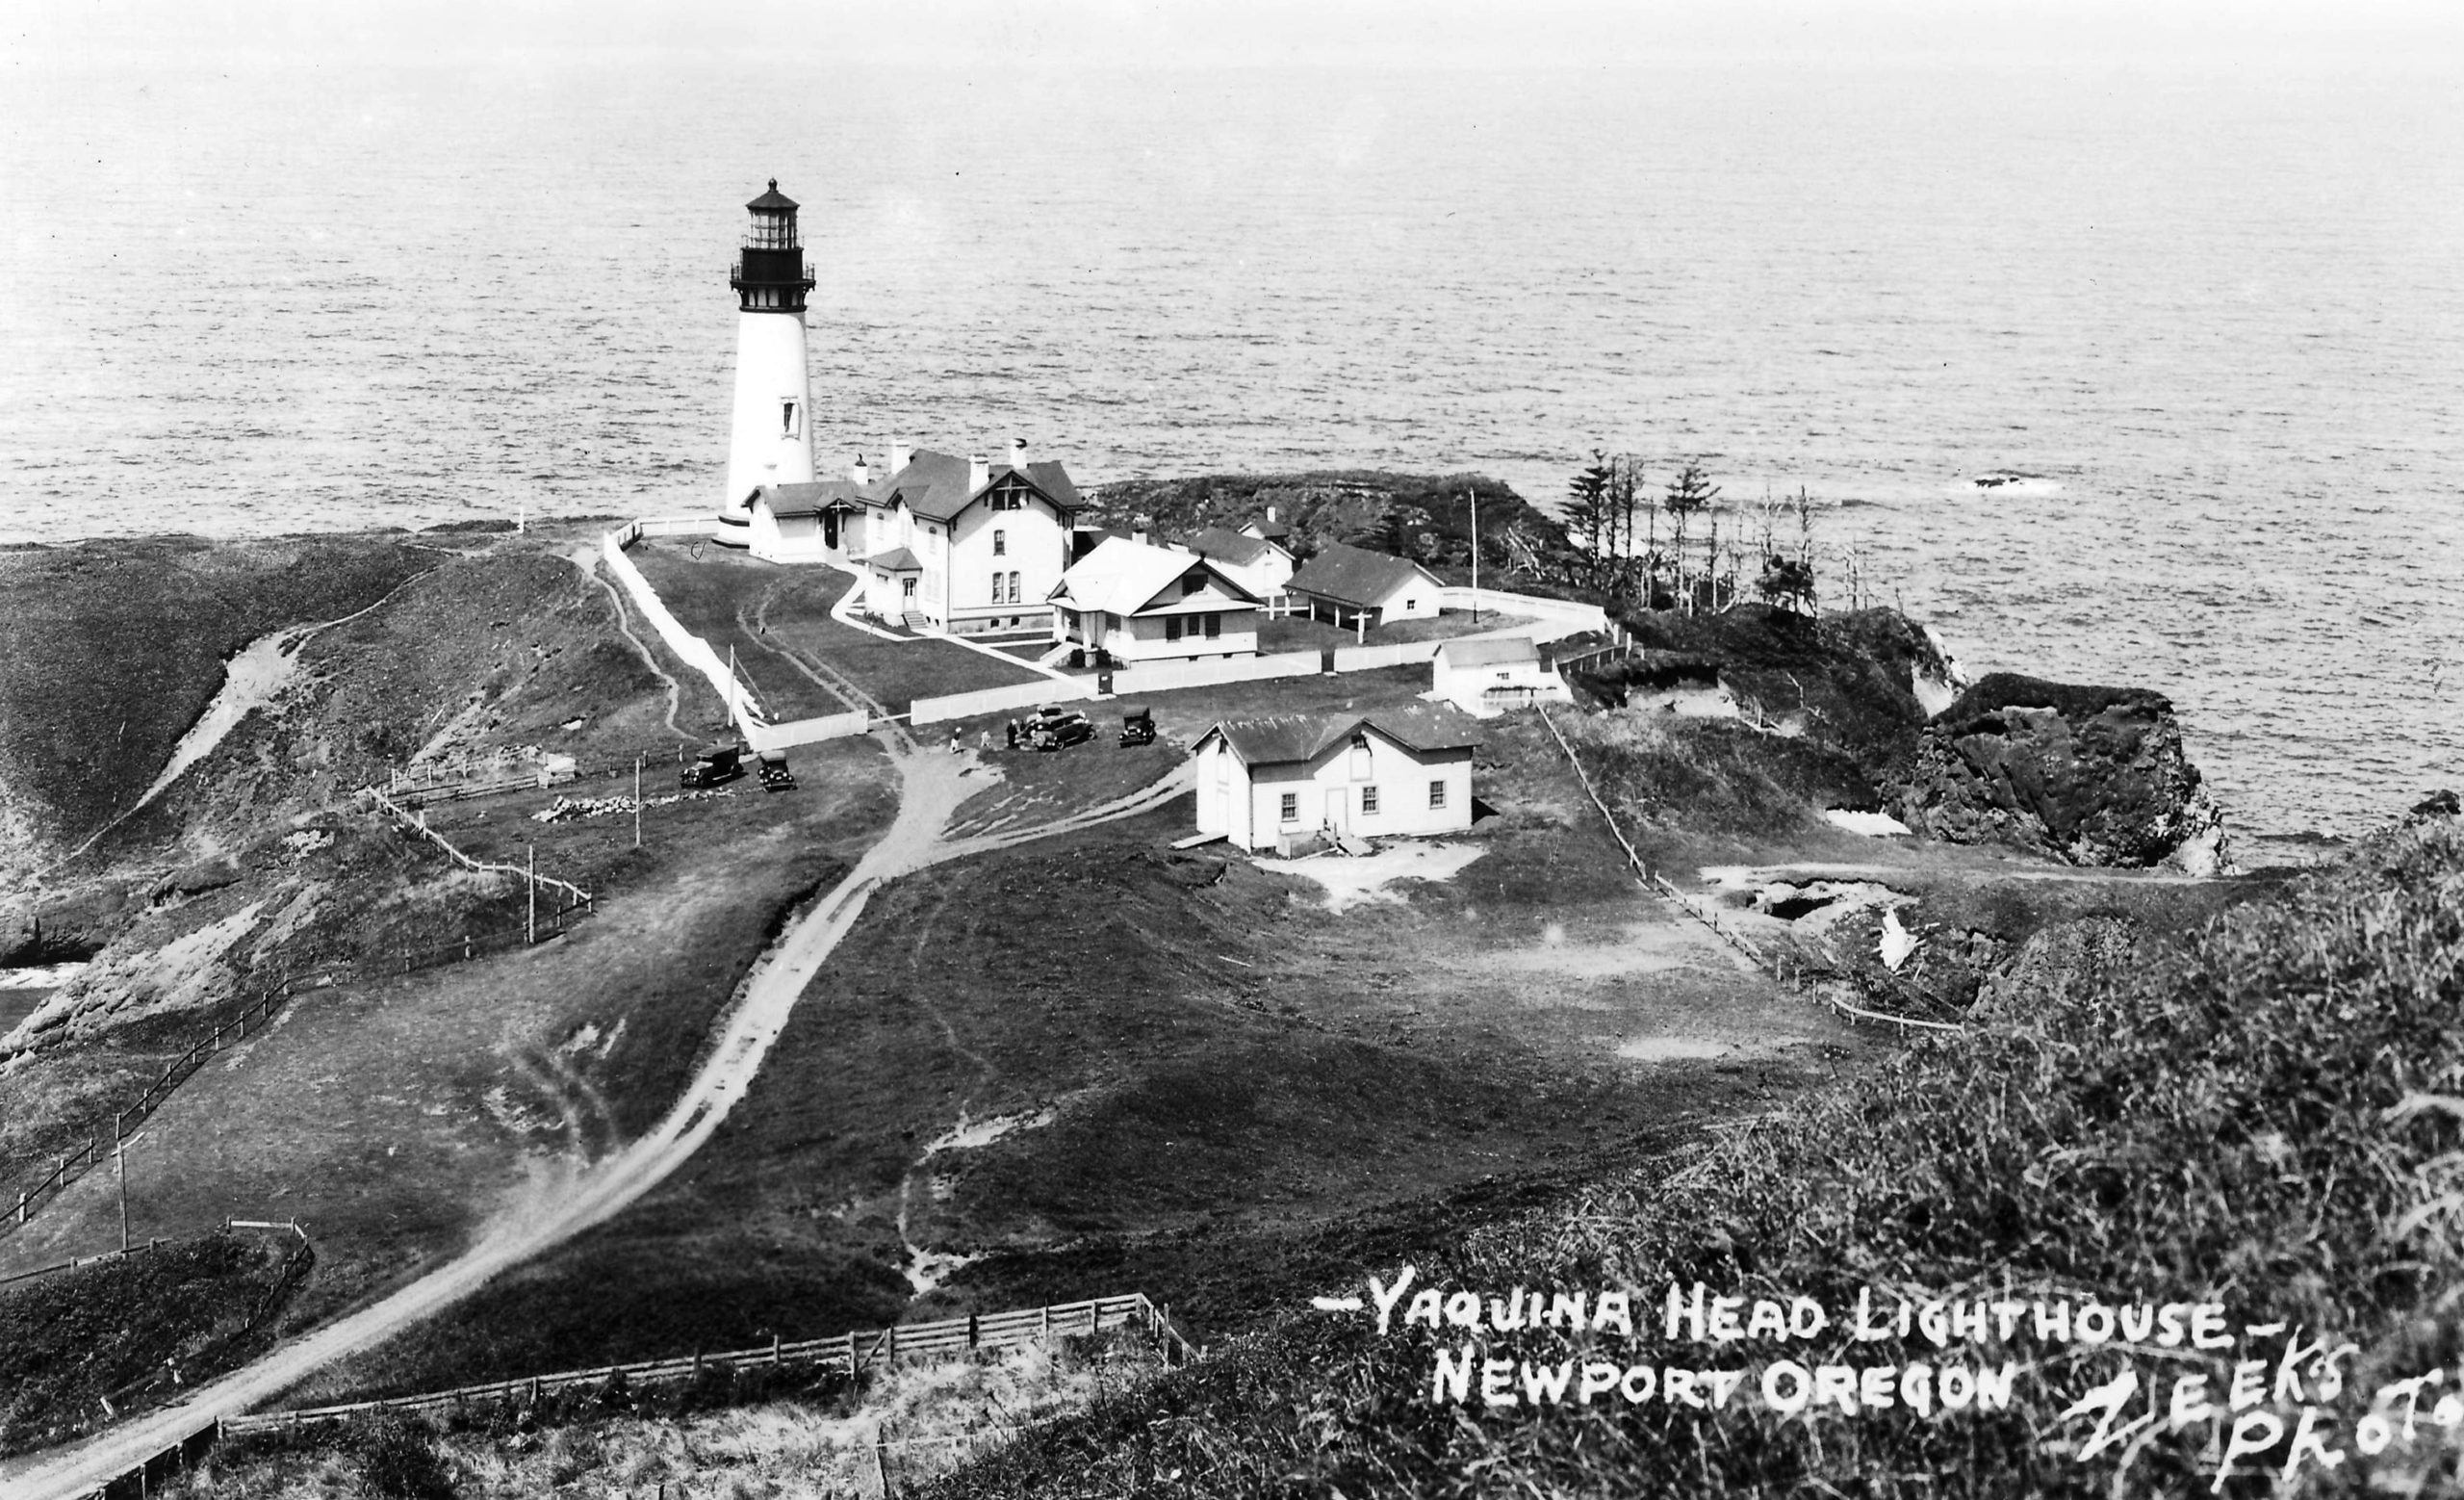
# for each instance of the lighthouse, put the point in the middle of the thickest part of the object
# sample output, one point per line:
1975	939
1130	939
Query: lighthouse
772	439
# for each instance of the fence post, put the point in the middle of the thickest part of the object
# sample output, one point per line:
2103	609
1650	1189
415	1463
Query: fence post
851	1353
466	948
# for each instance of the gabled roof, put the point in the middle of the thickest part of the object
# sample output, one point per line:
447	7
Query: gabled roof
1225	546
1271	531
1489	651
898	559
1357	576
935	484
1124	576
809	498
1288	738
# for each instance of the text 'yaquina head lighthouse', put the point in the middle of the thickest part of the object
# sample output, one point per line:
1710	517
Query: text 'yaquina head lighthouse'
772	442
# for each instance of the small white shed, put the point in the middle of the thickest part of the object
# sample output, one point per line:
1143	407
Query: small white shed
1487	675
1263	782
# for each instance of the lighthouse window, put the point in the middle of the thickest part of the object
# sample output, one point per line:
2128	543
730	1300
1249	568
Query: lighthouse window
786	418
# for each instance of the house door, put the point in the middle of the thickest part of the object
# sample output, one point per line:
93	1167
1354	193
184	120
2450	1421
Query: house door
907	589
1335	804
830	529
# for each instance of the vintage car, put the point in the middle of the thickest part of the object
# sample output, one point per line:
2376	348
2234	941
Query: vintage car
1137	727
1054	727
714	766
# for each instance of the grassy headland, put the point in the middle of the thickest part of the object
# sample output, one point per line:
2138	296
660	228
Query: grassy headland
2259	1116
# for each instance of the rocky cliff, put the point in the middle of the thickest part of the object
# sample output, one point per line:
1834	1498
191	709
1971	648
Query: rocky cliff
2087	775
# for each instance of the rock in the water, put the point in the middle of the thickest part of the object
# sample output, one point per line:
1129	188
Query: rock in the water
2438	804
2090	775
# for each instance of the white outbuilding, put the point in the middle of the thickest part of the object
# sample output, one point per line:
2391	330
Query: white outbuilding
1268	782
1360	590
1487	675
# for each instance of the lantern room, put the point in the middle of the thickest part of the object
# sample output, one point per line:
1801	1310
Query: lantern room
769	275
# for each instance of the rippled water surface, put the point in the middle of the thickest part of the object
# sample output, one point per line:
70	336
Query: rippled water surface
2214	317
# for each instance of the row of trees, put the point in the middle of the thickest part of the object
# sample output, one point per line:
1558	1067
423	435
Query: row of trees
1669	551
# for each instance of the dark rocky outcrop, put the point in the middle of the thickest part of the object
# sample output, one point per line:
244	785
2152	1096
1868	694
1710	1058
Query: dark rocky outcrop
2087	775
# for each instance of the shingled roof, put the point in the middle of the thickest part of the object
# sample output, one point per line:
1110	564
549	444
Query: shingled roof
1124	576
934	485
1229	545
809	499
1356	575
1489	650
1286	738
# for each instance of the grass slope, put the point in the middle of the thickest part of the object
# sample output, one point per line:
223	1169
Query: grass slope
2259	1116
109	649
121	1328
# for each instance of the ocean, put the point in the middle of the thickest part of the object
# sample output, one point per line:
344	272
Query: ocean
2207	318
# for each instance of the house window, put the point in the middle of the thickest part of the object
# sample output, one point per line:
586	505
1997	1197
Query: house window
1367	801
1214	626
1411	604
1193	583
1171	626
1014	588
1000	542
1292	807
1437	793
997	588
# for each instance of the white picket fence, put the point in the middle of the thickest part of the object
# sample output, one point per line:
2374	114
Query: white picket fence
999	700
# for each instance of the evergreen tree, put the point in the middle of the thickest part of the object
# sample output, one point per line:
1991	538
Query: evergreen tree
1590	513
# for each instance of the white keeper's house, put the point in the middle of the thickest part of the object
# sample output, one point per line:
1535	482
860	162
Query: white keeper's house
1140	602
944	543
1263	782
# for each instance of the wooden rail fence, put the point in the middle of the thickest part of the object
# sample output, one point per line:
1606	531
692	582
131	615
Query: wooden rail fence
419	824
851	1352
572	904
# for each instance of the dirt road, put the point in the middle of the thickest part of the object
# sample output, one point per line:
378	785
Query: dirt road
933	784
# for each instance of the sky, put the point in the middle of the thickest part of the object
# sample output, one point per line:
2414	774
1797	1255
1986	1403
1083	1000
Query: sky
1250	33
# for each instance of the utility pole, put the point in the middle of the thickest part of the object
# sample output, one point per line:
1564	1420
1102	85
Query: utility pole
637	799
532	924
1473	491
119	1158
731	715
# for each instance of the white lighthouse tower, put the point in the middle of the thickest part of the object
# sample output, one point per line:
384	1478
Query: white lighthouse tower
772	442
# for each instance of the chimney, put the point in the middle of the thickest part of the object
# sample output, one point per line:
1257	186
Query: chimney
1140	537
900	457
1270	515
979	473
1017	452
858	473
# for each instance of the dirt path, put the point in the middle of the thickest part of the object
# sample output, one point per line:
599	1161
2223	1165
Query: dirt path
587	560
553	1210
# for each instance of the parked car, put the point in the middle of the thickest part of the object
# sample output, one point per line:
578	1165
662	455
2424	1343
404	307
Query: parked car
712	767
775	775
1054	727
1137	727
